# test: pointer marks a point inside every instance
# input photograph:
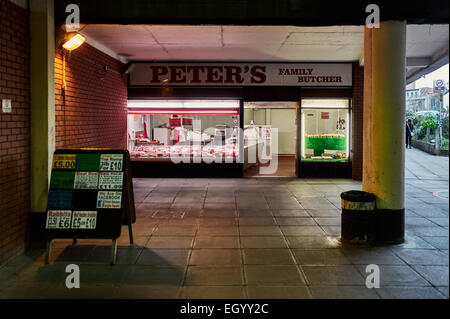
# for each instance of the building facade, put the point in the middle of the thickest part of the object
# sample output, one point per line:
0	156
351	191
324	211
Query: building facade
80	99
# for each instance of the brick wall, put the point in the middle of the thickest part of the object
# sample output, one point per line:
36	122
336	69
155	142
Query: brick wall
357	120
14	130
92	112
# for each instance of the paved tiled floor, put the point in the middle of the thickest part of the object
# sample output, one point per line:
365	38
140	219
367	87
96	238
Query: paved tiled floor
249	238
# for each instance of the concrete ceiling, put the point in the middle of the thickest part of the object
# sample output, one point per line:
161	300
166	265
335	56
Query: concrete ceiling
426	44
426	49
230	43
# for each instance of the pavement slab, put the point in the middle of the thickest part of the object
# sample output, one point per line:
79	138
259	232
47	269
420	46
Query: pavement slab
251	238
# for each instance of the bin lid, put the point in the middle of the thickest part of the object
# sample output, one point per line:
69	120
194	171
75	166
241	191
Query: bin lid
358	196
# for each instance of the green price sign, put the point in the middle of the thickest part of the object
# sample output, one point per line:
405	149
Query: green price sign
62	180
88	162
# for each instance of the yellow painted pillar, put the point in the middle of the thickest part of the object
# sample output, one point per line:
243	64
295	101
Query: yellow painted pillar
42	89
384	125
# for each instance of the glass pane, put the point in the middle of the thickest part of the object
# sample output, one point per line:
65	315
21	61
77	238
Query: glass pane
325	131
195	130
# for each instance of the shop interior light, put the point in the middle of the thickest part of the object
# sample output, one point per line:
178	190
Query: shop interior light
184	104
325	104
154	104
183	111
73	40
212	105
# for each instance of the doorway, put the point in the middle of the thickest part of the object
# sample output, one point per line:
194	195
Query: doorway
271	128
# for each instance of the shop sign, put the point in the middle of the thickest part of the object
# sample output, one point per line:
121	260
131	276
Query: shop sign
64	161
84	219
86	180
58	219
175	122
186	120
84	201
88	162
110	180
266	132
6	106
438	86
111	162
60	179
59	198
242	74
111	200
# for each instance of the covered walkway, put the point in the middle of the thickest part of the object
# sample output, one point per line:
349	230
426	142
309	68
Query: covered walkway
251	238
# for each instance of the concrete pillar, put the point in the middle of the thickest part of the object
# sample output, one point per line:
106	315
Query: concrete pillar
384	125
42	99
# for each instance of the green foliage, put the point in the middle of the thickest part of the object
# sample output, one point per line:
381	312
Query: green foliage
444	144
445	127
430	123
423	121
421	133
417	119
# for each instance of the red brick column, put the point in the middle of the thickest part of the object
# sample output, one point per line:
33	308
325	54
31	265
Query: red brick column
357	121
14	130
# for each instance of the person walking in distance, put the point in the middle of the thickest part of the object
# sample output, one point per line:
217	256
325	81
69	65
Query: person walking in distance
409	133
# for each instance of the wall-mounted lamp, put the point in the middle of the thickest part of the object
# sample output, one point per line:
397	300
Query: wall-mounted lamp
69	41
72	40
127	68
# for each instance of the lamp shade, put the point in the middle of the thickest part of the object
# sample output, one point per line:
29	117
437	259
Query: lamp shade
73	40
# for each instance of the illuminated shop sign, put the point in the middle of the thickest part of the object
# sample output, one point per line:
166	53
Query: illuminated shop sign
242	74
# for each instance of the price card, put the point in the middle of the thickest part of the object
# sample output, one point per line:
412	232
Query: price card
84	220
111	162
58	219
59	198
88	162
86	180
110	180
60	179
112	200
64	161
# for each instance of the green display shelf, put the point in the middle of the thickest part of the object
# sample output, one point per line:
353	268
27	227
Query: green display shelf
324	160
319	144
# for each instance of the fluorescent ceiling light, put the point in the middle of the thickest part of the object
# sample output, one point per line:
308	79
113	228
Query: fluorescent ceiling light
182	111
184	104
325	103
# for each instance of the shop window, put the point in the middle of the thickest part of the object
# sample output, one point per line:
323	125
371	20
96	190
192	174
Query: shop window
194	131
325	130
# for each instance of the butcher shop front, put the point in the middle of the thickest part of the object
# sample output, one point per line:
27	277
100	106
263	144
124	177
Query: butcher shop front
241	119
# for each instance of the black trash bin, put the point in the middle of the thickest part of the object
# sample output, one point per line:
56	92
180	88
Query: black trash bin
358	217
